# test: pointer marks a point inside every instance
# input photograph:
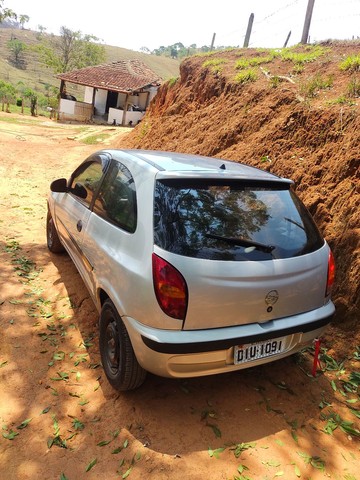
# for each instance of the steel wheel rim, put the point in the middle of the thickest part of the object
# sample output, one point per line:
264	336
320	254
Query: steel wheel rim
112	347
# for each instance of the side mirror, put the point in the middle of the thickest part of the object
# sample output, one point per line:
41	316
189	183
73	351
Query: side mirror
59	185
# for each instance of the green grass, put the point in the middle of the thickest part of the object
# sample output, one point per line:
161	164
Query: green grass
351	64
245	63
94	139
310	54
353	89
311	87
246	76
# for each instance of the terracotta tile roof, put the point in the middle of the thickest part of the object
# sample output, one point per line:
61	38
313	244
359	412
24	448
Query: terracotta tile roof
122	76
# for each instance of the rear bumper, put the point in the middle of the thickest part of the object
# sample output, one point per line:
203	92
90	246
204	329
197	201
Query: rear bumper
191	353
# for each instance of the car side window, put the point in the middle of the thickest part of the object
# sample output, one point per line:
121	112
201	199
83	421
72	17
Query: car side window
86	180
116	200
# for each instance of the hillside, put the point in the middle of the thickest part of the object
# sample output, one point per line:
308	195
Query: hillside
36	75
298	117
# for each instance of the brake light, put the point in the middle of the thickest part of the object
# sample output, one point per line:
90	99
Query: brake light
170	288
330	274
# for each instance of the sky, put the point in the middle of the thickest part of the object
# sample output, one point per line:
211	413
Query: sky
141	23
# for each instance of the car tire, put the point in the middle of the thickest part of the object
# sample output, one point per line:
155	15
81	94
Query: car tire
53	241
117	355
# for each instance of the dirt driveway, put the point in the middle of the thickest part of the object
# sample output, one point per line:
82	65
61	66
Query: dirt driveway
59	417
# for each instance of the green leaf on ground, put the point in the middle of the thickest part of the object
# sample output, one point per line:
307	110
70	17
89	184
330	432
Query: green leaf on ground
215	453
11	435
78	425
91	465
24	424
103	443
62	376
58	356
127	473
215	429
116	450
241	447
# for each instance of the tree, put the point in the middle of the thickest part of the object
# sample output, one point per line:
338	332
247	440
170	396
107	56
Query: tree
40	32
23	19
145	50
17	48
7	94
6	12
70	51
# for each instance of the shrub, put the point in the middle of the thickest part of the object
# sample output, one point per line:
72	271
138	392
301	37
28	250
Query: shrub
351	63
252	62
353	89
310	88
246	76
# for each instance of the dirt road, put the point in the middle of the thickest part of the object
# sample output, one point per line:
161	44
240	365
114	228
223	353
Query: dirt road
59	417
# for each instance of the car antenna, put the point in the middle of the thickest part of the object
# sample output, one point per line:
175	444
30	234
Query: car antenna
222	166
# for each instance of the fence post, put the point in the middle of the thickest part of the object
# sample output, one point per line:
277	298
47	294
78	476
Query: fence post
248	31
212	42
307	22
287	39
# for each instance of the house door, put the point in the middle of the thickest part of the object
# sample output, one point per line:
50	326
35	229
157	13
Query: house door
111	100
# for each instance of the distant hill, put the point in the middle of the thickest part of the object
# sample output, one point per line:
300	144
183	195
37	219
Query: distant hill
36	76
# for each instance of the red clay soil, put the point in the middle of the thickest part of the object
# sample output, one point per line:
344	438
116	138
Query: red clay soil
60	419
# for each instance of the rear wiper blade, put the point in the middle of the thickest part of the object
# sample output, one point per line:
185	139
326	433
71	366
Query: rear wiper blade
294	223
243	242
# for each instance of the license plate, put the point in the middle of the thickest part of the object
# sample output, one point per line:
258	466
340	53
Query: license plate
254	351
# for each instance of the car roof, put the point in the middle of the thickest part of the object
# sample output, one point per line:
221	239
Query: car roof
174	164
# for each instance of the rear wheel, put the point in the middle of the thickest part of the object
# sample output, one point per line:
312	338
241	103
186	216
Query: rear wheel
53	241
117	355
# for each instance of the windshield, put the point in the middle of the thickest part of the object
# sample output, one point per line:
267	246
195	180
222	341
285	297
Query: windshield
234	221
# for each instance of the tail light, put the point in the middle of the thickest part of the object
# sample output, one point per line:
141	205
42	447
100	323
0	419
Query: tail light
170	288
330	274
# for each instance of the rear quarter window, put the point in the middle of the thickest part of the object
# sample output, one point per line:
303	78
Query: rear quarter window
232	221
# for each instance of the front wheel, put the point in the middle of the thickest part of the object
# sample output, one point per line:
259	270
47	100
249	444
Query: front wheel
117	355
53	241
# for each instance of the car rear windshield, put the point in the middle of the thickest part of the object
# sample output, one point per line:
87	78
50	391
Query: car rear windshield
238	221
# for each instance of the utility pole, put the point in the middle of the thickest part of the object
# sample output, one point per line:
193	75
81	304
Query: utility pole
248	31
309	10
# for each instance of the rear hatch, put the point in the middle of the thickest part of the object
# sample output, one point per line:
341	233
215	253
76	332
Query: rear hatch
248	250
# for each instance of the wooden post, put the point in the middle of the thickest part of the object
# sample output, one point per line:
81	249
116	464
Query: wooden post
248	31
212	42
309	10
287	39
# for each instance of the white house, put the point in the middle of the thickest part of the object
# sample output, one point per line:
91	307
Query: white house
119	92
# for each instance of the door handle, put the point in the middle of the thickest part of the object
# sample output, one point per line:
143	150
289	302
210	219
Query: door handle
79	226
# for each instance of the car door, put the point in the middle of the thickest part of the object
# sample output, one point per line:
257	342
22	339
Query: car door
74	208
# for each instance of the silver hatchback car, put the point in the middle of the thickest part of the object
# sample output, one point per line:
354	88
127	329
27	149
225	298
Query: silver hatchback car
197	265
